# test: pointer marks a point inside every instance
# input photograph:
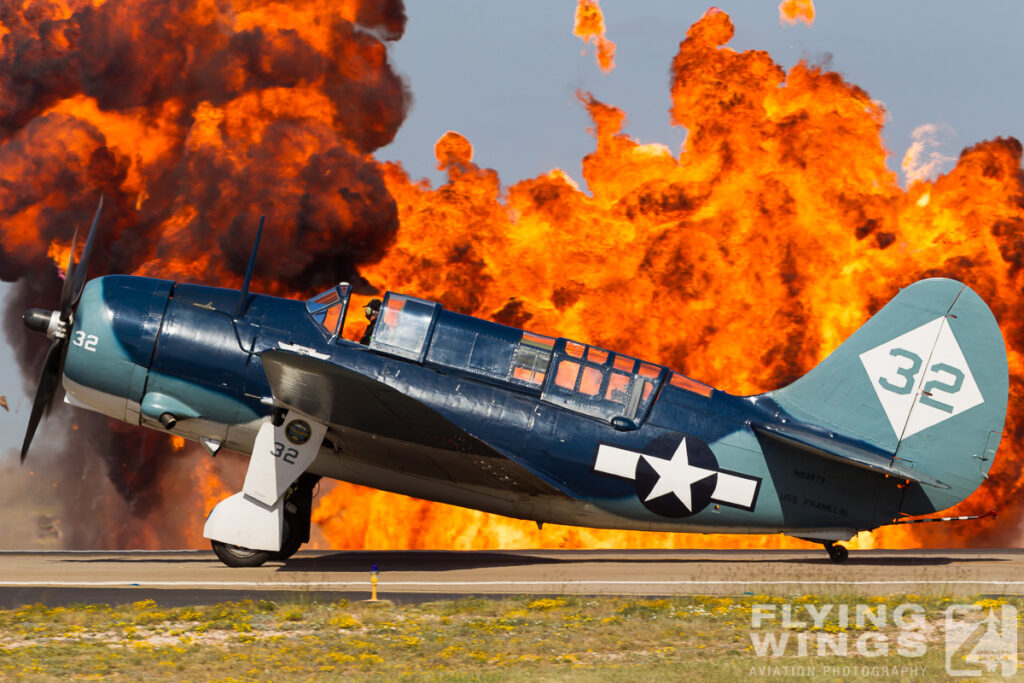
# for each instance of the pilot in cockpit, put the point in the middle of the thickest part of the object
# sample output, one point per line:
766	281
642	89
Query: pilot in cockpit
372	311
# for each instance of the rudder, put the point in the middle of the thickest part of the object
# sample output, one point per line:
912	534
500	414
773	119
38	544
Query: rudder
926	380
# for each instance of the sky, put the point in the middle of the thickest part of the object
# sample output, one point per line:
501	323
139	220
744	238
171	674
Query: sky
505	76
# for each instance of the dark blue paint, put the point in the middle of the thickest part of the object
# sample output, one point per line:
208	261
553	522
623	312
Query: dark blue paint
190	333
137	305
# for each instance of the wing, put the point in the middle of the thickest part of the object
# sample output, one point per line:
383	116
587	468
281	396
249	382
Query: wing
431	445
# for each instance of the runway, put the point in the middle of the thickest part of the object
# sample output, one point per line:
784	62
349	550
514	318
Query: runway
190	577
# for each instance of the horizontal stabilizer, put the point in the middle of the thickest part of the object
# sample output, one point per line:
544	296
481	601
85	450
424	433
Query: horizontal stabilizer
836	448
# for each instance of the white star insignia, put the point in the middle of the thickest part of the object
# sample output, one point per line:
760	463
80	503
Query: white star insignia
676	476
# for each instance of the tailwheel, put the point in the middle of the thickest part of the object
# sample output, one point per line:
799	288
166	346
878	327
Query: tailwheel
237	556
837	553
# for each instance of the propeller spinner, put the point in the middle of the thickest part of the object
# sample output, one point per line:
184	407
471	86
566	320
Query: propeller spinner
55	325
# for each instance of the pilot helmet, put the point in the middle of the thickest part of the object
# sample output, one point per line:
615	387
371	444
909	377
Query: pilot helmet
372	307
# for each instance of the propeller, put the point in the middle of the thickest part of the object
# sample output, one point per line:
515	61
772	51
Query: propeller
56	325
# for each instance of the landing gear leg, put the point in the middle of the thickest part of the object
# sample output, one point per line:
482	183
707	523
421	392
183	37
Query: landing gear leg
837	553
298	508
269	518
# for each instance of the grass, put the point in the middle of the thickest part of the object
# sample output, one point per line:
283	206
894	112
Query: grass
555	638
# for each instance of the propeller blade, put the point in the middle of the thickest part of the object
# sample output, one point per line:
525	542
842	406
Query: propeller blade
49	378
53	366
65	292
83	266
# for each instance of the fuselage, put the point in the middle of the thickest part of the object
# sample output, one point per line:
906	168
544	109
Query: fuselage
497	419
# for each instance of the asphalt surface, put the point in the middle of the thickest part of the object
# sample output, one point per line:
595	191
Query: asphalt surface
196	577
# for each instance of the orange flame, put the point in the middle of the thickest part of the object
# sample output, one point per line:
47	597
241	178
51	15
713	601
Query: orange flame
741	259
590	28
60	254
792	11
192	119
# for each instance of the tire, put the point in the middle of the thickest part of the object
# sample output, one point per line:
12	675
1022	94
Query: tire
291	543
237	556
297	511
838	553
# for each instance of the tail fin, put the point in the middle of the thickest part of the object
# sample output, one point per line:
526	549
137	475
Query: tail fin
926	380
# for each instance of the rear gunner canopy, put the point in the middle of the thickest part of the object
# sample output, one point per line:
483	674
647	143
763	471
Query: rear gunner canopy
602	384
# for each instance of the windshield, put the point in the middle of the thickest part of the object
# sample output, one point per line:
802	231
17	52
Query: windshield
328	308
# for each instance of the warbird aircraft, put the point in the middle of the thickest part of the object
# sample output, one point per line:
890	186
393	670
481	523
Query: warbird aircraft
904	418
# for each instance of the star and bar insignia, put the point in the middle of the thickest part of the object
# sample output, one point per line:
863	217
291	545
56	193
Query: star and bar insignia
677	476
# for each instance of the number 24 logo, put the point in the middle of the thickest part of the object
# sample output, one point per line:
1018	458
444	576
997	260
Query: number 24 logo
909	376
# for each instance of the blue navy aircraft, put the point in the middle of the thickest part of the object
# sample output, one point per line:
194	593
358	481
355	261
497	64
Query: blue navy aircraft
904	418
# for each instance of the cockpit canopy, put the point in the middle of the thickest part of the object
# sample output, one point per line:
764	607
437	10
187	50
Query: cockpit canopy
602	383
582	378
404	326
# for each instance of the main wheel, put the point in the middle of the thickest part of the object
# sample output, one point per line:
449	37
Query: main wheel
237	556
837	553
298	508
292	540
